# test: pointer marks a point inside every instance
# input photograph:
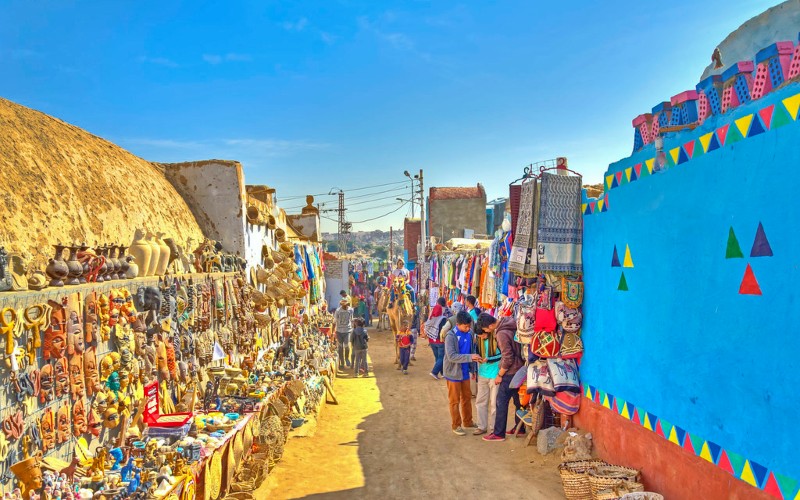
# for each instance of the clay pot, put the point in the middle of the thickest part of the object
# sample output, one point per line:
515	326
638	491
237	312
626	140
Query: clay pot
57	269
154	256
75	267
123	262
141	251
105	252
113	263
101	272
163	257
133	268
82	248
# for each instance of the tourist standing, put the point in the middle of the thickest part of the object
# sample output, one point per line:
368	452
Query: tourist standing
432	328
344	329
370	307
486	347
510	363
415	332
360	343
455	308
404	342
472	307
361	308
458	356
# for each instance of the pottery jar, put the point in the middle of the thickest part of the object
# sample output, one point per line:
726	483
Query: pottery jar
109	263
155	256
57	269
113	263
101	271
141	251
133	268
163	258
123	262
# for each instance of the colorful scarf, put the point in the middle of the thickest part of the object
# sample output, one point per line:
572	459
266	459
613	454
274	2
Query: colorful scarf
560	231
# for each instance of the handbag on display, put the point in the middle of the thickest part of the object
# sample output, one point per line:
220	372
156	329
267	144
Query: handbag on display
517	380
572	292
545	344
564	373
569	318
539	378
545	318
537	414
571	345
565	403
526	315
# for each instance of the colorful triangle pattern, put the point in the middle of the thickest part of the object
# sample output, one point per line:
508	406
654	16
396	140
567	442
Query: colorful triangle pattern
749	284
753	473
761	247
705	140
756	128
623	283
792	105
766	116
615	258
627	261
733	250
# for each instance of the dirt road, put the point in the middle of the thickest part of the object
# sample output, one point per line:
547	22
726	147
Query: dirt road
390	438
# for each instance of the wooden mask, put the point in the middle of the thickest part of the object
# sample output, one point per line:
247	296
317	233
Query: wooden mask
55	337
90	371
79	423
62	424
91	319
46	383
48	430
77	383
61	373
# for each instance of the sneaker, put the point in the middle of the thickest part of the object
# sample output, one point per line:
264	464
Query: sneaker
413	358
493	437
435	377
458	431
478	431
513	432
471	426
405	372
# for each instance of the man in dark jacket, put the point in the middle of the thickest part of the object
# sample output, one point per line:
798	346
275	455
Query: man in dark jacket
510	362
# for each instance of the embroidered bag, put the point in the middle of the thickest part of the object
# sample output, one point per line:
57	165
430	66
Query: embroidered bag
565	403
571	345
526	315
545	344
564	373
570	318
539	378
571	292
545	312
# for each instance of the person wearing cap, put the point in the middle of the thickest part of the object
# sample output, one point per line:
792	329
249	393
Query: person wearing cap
344	330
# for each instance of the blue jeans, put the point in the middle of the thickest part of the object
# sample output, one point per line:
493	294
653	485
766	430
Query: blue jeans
504	395
438	354
405	356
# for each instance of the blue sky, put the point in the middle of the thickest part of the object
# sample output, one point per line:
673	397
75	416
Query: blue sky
314	95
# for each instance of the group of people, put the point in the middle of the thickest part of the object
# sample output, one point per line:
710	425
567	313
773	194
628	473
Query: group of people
467	345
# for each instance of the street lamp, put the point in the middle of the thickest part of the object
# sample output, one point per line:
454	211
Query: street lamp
405	172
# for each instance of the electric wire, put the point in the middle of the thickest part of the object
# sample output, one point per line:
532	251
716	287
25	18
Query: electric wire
345	190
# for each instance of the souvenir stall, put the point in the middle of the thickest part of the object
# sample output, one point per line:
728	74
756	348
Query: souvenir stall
156	377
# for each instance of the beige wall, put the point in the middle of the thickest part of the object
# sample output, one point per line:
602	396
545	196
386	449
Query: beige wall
456	215
215	193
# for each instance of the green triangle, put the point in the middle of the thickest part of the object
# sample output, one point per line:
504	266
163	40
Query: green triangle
698	149
623	283
787	484
733	251
697	443
644	172
781	117
737	462
666	427
733	135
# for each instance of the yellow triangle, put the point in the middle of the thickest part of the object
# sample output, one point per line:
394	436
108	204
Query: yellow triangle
599	205
583	207
705	140
588	392
674	152
625	412
605	402
747	475
649	164
743	124
628	173
705	453
673	437
797	497
627	262
647	424
609	180
792	105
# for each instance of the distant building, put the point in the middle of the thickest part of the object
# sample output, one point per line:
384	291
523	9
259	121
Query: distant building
452	210
412	234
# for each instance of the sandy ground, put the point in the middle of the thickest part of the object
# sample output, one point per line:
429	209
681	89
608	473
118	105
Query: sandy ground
390	438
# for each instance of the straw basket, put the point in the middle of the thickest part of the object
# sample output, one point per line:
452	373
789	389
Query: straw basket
213	479
644	495
619	490
609	476
254	215
575	478
271	222
280	235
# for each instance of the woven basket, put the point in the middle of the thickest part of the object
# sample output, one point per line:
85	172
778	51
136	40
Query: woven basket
230	465
609	476
644	495
575	478
620	489
213	482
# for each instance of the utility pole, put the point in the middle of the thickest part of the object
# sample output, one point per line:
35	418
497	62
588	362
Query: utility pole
391	246
342	227
422	214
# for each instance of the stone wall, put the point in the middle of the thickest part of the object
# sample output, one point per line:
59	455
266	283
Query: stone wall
454	215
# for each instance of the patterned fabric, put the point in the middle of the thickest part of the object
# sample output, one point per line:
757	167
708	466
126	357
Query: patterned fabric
523	258
560	229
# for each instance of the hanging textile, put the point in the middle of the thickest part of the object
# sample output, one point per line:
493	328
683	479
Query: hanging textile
523	254
514	194
560	228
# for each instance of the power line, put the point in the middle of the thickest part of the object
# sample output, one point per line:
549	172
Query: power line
335	194
380	216
366	209
393	190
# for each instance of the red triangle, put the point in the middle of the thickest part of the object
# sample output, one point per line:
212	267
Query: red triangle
614	406
722	133
619	176
724	463
592	204
772	487
605	201
749	284
766	115
597	397
659	429
689	148
635	417
638	168
687	445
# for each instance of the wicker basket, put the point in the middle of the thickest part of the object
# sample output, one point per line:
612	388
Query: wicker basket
575	478
644	495
213	481
620	489
610	476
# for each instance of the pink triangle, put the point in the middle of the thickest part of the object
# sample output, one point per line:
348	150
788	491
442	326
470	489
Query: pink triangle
722	133
687	445
689	148
638	168
749	285
772	487
659	429
724	463
592	204
766	116
619	177
635	416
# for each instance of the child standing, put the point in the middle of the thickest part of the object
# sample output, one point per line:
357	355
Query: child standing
360	341
405	340
458	355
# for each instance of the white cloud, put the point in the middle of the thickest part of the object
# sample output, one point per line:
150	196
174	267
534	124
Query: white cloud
163	143
229	57
274	147
158	61
212	58
299	25
327	38
244	149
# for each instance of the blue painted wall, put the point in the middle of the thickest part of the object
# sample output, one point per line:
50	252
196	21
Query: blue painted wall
682	342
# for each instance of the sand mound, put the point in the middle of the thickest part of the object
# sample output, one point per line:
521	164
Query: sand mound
61	183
